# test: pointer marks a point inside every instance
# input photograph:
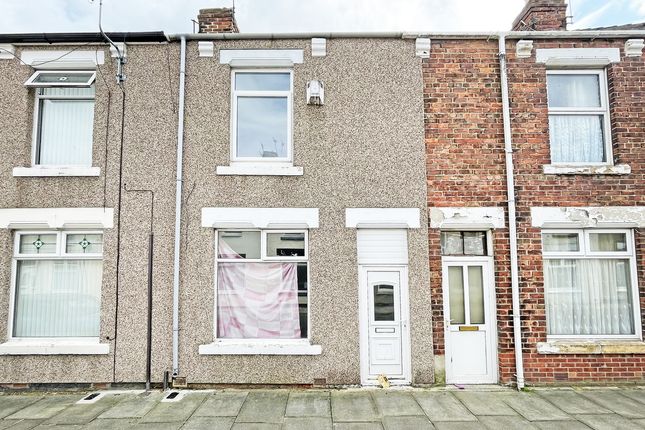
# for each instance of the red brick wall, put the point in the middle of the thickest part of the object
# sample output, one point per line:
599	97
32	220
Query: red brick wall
465	165
218	20
542	15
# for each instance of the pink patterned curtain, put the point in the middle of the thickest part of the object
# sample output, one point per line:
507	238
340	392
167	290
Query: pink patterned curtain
256	300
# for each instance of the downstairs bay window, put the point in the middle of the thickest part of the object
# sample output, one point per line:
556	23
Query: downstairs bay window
262	285
57	285
590	283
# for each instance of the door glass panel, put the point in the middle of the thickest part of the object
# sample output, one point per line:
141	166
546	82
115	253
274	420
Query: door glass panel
456	292
476	294
383	302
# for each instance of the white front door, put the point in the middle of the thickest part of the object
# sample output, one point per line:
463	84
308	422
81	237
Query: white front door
384	325
469	312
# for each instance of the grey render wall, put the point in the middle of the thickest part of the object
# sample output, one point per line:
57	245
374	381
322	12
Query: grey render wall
363	148
149	162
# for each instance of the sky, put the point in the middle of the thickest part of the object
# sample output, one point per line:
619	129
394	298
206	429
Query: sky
280	16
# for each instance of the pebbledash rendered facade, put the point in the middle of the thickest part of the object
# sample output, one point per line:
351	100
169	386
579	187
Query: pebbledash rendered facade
324	209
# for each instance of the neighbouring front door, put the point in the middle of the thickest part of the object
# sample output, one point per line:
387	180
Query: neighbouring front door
469	321
385	325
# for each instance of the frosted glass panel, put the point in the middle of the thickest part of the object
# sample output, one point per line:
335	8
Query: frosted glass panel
576	138
456	292
58	298
475	243
476	294
66	127
37	244
608	242
84	244
262	130
573	90
383	302
451	243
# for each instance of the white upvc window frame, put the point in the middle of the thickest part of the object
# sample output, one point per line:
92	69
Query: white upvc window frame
263	259
586	253
36	128
31	81
235	94
60	254
602	110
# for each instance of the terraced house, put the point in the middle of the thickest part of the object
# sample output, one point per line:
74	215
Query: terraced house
323	209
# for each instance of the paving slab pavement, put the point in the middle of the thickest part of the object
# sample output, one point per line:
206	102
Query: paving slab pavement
349	409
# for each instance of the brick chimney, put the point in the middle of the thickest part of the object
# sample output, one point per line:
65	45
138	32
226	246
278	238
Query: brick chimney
218	20
542	15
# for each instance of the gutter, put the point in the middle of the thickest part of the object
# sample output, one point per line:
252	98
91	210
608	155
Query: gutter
178	191
583	34
512	217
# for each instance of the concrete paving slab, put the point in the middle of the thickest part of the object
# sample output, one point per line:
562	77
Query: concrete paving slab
350	406
407	423
264	406
308	404
482	403
638	395
11	404
560	425
156	426
534	408
608	422
45	408
506	422
396	403
456	425
112	424
133	406
172	412
83	413
60	427
358	426
25	424
209	423
222	404
314	423
442	406
255	426
572	402
615	401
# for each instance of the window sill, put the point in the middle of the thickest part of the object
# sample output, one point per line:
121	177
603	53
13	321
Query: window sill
19	347
38	171
255	348
267	169
571	169
591	347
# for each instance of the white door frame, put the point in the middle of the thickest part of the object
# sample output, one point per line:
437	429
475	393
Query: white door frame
490	312
364	319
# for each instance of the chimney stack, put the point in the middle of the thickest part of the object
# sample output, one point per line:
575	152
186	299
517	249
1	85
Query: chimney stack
218	20
542	15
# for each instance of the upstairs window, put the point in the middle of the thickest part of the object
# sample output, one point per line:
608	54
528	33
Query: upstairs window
579	128
261	116
63	117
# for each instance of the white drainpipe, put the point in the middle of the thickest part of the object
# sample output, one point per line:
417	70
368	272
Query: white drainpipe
512	221
180	158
